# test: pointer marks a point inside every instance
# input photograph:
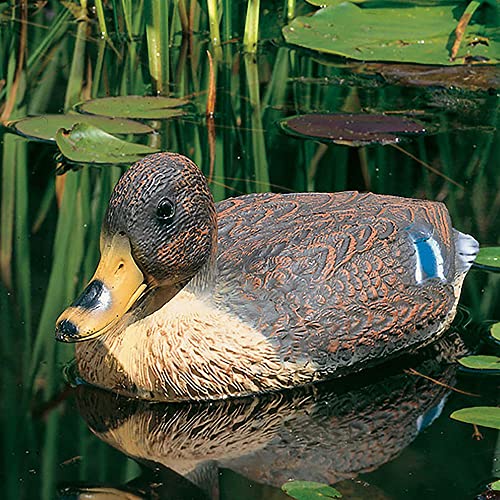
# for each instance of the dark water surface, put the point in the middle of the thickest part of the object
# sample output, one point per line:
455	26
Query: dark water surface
384	435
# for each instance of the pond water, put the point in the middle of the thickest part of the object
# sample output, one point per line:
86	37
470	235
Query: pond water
380	435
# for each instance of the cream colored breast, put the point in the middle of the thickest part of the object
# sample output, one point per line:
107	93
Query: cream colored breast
188	349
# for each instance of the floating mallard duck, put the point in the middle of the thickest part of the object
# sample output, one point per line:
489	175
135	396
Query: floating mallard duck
194	300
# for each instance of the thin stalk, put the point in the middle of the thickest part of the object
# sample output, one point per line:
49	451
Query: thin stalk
40	96
251	36
101	19
98	68
77	71
56	31
183	15
127	16
55	297
157	34
8	213
259	157
22	239
14	88
290	9
213	20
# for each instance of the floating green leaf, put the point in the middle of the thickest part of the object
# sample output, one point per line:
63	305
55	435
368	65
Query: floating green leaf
489	256
88	144
309	490
134	106
485	416
353	129
44	127
495	486
418	34
481	362
470	77
495	331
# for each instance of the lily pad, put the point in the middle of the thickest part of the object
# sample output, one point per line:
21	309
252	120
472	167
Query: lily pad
495	331
489	257
418	34
310	490
485	416
85	143
481	362
468	77
134	106
44	127
353	129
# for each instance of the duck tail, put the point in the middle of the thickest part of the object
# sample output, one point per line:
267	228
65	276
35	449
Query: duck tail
466	250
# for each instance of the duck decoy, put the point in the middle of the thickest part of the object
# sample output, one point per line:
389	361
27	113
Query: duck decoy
330	432
193	300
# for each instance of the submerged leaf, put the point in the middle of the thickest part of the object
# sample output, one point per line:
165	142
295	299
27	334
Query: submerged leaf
418	34
134	106
309	490
486	416
44	127
353	129
481	362
88	144
489	256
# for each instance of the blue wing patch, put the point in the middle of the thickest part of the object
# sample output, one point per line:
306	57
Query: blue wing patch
429	262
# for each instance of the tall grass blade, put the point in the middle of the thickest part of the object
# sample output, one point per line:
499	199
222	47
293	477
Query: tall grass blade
157	34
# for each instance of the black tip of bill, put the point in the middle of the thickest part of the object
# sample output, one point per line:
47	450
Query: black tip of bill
66	331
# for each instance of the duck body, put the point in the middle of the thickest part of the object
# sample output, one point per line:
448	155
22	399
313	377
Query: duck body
292	288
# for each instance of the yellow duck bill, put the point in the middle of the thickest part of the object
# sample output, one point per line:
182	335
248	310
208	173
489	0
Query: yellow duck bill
114	288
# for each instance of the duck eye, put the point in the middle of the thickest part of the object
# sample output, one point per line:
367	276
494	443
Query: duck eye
165	210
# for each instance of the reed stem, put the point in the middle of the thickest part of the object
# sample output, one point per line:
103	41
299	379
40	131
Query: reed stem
251	35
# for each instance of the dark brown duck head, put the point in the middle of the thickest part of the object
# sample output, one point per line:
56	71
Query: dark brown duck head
158	233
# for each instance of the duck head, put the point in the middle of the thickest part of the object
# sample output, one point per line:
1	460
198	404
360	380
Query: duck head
159	231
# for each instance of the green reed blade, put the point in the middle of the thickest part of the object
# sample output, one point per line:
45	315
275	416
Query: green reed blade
213	19
99	10
22	238
55	296
251	36
277	88
127	16
40	95
57	29
77	71
49	456
45	204
259	157
290	9
7	212
227	21
157	34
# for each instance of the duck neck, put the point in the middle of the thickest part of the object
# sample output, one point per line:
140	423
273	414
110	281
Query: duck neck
204	280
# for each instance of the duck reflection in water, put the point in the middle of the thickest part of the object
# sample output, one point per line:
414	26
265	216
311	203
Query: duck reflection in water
329	432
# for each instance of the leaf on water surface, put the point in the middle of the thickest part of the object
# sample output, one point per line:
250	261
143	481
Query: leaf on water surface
495	486
418	34
473	77
134	106
352	129
485	416
495	331
481	362
309	490
44	127
489	256
88	144
327	3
